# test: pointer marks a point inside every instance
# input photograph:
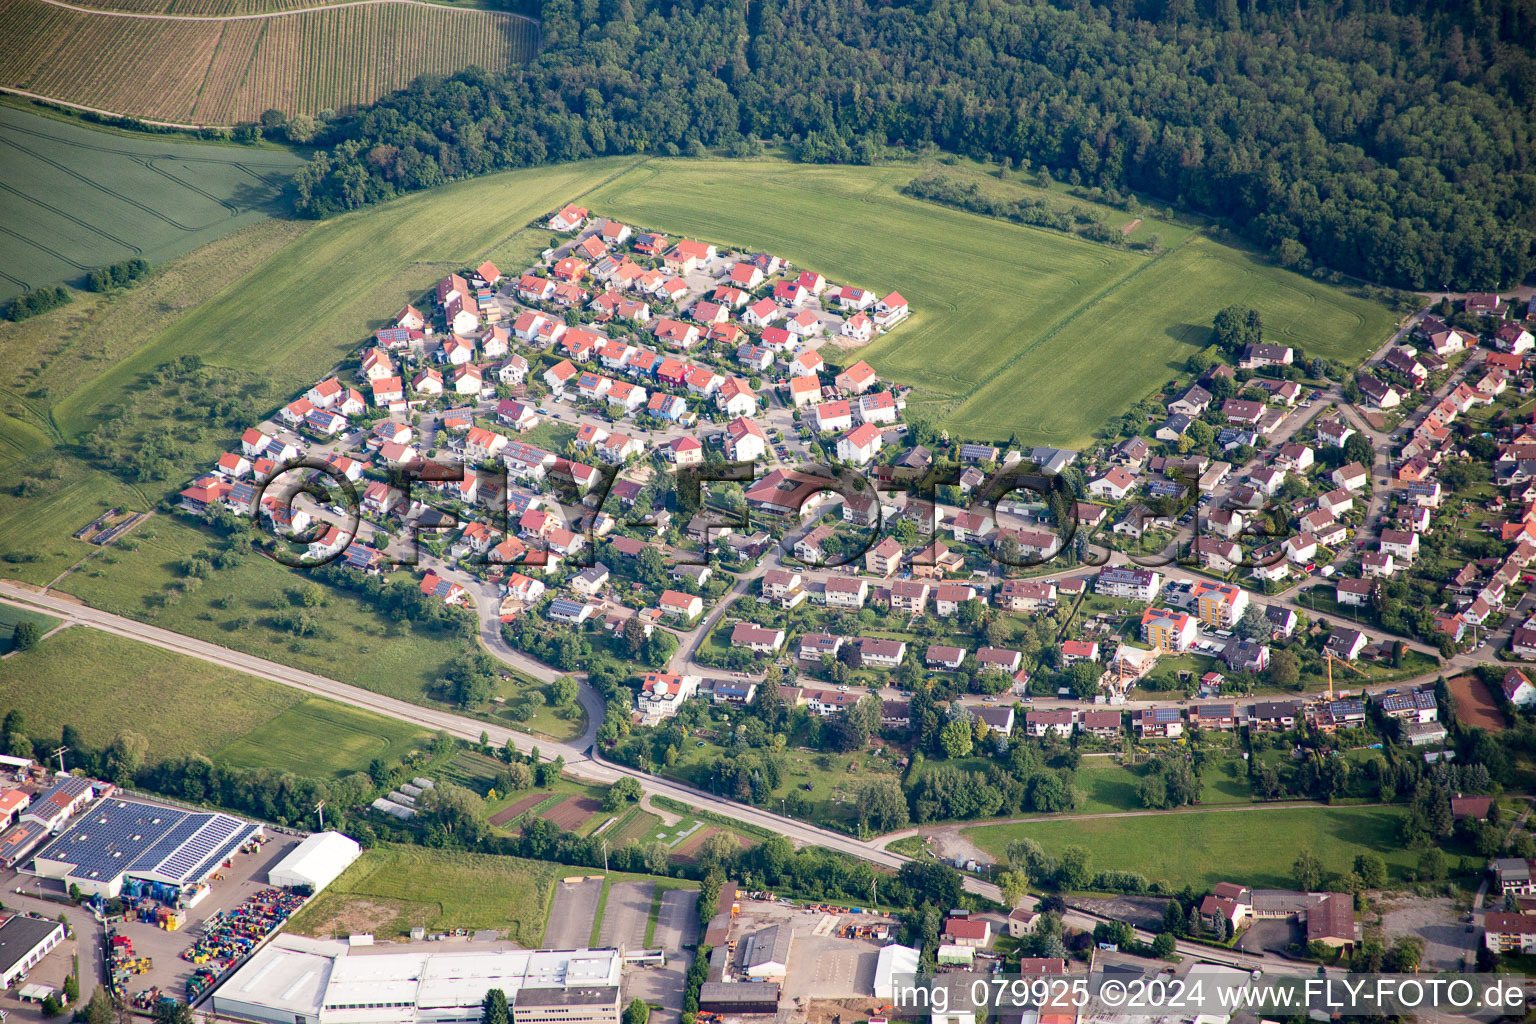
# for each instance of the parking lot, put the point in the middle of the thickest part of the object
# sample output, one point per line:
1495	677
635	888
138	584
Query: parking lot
677	922
572	912
659	986
625	915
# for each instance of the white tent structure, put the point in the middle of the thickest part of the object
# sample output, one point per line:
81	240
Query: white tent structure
316	861
893	962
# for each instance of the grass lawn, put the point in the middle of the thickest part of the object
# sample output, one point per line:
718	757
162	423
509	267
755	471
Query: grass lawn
11	617
392	889
319	737
1000	310
101	684
1255	847
235	607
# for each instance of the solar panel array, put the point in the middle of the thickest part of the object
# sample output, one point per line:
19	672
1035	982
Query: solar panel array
125	837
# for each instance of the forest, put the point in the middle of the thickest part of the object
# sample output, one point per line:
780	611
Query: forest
1389	139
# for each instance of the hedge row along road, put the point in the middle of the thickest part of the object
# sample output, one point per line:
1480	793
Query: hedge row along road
210	69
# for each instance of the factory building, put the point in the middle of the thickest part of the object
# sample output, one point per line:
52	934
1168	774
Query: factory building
294	980
119	839
315	862
23	942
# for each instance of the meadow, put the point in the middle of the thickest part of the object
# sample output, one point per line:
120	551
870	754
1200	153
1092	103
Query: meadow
101	684
1014	328
77	198
392	889
211	70
318	738
235	607
1200	848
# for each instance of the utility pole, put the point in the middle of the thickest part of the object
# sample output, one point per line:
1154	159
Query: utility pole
60	755
320	810
605	855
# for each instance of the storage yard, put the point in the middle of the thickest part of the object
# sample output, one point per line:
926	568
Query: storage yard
239	909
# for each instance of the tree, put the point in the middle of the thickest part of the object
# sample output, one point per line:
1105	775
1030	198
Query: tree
454	809
1014	886
99	1010
624	791
494	1009
658	858
1308	871
1432	865
882	805
1163	945
26	636
1371	869
1073	871
717	851
562	692
1284	670
634	634
637	1012
301	129
125	756
1254	625
956	738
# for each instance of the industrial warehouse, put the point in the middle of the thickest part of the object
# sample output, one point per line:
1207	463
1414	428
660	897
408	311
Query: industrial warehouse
294	980
120	839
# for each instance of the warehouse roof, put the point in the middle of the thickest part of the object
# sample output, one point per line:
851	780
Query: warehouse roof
118	837
19	936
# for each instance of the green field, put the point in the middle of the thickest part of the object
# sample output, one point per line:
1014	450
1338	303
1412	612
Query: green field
101	684
76	199
1014	328
392	889
1200	849
319	737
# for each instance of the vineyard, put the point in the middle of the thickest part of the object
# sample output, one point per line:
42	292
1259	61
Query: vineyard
221	8
222	72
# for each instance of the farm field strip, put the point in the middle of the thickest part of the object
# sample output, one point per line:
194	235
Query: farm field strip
74	198
188	70
1255	847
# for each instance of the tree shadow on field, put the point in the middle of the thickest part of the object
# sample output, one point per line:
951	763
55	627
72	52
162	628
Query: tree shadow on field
275	201
1197	335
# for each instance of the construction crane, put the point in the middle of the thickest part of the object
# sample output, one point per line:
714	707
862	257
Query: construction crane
1329	659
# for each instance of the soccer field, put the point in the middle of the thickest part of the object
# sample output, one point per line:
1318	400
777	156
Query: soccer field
1014	328
76	198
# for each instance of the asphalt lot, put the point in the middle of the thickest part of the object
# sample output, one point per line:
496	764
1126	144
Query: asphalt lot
625	915
677	923
660	987
826	967
571	914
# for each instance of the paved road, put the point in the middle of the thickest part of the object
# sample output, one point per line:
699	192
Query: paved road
582	763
